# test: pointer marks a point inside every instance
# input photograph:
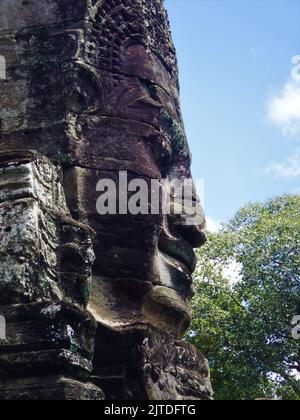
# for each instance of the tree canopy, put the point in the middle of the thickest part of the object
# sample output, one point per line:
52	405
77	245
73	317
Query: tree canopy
243	322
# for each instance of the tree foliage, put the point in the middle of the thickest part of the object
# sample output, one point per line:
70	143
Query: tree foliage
243	323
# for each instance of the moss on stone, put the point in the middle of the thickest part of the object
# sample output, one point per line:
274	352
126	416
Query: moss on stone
175	132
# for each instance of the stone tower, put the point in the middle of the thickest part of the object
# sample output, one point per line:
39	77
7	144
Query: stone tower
94	305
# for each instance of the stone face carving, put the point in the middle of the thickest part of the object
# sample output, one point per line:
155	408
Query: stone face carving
92	90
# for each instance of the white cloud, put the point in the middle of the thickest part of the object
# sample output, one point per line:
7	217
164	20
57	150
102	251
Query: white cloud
213	226
232	271
284	108
289	168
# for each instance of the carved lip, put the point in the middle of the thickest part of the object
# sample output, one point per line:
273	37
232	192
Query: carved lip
178	249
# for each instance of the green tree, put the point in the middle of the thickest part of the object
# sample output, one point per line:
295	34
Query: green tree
243	323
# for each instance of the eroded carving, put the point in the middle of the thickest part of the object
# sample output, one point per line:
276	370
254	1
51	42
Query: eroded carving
93	87
44	254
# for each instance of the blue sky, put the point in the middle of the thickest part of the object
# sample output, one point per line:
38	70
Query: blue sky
240	104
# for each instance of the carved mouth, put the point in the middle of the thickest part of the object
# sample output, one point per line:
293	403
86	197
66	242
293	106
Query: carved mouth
179	250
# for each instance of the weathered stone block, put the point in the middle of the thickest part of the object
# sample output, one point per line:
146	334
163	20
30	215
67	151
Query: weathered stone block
54	388
27	174
48	344
15	15
149	365
27	262
44	254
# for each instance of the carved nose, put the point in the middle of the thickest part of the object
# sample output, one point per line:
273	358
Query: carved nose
191	223
193	234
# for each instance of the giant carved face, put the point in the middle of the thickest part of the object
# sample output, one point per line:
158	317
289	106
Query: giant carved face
97	92
127	109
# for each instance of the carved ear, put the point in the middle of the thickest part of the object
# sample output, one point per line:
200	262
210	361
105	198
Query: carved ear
85	92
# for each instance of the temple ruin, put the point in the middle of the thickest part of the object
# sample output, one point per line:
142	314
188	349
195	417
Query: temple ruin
95	306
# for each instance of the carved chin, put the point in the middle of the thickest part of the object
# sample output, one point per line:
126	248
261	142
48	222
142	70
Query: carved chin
125	302
158	297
